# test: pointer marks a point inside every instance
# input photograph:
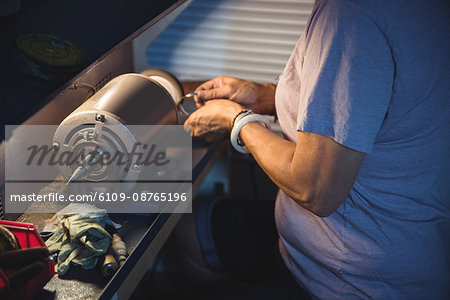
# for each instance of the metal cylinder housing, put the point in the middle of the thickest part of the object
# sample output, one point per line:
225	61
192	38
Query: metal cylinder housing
101	123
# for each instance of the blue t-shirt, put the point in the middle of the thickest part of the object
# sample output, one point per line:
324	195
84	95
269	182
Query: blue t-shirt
375	77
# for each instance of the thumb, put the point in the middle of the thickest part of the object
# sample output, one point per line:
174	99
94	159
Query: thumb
190	122
216	93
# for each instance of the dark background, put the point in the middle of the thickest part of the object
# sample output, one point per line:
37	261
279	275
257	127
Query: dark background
93	26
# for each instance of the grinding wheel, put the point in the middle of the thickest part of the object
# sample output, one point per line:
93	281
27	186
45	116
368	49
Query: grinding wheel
45	56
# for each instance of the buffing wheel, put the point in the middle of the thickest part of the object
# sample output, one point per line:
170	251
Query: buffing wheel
46	56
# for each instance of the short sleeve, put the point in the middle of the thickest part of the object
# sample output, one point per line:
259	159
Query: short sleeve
346	77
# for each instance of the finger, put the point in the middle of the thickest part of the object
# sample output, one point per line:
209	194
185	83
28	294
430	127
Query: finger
197	131
206	91
210	84
16	259
194	130
199	103
187	128
223	92
190	123
24	275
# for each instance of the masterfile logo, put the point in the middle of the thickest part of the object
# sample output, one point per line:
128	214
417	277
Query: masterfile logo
129	169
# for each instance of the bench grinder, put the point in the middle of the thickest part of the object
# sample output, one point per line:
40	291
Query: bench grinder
100	124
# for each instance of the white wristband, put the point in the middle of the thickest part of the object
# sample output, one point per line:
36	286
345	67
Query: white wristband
236	130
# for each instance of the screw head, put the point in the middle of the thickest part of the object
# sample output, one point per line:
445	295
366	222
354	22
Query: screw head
56	146
100	117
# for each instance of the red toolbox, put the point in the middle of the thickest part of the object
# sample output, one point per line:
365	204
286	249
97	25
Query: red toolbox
28	237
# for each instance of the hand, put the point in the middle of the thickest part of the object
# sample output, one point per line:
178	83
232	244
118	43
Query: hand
258	97
214	120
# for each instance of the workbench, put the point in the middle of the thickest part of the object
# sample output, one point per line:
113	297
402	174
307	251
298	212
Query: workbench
143	234
105	32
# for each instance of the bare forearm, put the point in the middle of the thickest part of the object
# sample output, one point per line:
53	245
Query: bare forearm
266	98
275	155
316	172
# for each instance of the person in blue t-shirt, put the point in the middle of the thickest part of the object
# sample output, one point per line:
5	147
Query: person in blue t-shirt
363	168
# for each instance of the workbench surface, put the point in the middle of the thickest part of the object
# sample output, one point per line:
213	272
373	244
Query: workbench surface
143	234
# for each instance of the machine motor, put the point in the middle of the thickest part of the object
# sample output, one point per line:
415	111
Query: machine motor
100	124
